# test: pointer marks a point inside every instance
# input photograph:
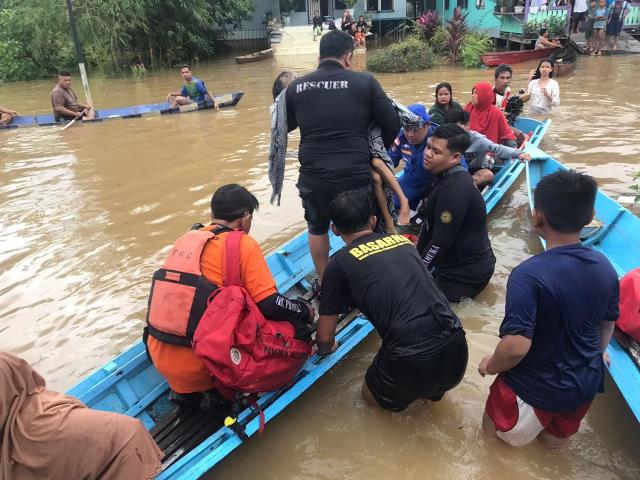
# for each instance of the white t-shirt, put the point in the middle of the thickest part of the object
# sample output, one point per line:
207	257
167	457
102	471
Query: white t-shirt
580	6
538	102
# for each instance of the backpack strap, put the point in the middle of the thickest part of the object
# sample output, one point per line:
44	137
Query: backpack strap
232	254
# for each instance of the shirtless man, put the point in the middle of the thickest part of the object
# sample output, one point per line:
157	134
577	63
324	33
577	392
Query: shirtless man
7	116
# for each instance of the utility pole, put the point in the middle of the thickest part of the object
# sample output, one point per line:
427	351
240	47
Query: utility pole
79	54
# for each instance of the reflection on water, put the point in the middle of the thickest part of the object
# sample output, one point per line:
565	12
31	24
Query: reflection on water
89	213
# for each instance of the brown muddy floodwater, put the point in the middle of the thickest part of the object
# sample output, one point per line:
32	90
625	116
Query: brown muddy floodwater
89	213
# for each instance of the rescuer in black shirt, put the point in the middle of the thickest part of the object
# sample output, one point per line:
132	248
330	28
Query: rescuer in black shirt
424	350
333	107
454	240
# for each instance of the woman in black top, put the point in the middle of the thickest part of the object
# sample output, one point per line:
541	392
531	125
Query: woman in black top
443	104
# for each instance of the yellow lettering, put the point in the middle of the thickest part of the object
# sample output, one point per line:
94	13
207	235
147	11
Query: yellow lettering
365	249
381	243
373	246
356	252
389	241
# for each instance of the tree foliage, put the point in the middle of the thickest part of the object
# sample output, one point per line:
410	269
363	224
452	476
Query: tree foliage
35	37
407	56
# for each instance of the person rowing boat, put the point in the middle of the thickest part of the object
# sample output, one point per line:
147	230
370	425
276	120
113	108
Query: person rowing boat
64	101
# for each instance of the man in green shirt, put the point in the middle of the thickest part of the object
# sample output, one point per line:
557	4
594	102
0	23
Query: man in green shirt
193	91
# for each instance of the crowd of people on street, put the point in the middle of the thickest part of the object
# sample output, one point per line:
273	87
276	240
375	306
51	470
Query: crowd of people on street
602	22
431	249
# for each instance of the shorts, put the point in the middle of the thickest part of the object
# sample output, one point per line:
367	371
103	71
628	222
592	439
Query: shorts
395	382
315	201
518	423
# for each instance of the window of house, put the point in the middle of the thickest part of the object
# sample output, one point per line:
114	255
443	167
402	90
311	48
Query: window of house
463	3
479	3
446	4
301	5
339	5
379	5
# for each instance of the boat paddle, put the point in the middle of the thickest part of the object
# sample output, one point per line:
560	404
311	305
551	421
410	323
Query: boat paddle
69	124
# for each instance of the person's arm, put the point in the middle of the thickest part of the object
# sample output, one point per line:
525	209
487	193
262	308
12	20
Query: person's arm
502	151
390	179
517	327
326	334
450	210
335	299
608	324
13	113
279	308
395	152
383	113
292	122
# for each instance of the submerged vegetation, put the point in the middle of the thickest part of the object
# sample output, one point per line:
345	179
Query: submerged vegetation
406	56
35	38
430	38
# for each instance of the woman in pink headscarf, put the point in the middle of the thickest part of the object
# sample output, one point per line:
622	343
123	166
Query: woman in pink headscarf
50	436
486	118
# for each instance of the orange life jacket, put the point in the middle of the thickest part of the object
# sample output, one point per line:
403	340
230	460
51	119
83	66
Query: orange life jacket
179	291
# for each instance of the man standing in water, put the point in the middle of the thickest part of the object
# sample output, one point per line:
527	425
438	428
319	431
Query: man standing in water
454	240
424	350
561	308
65	101
192	91
334	107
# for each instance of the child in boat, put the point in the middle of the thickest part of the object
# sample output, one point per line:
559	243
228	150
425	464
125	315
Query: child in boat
560	312
482	153
360	40
382	172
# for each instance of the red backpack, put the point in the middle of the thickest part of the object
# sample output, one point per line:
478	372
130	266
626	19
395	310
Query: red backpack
243	351
629	320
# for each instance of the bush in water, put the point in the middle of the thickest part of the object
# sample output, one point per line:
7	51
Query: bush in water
429	22
474	45
407	56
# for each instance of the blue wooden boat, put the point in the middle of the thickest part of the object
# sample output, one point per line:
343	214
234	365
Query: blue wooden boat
47	119
617	236
129	384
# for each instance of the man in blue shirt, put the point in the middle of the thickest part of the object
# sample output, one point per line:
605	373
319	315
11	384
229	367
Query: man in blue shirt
193	91
409	146
560	313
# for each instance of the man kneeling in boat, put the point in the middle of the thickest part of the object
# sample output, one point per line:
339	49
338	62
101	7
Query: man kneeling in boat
192	91
171	324
454	240
560	313
65	101
424	350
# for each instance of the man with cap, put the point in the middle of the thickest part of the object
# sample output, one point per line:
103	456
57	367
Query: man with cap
409	146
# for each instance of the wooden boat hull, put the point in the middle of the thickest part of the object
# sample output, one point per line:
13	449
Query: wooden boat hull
255	57
619	240
564	69
129	384
45	120
493	59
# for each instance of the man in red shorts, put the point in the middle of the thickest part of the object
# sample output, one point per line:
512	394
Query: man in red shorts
561	308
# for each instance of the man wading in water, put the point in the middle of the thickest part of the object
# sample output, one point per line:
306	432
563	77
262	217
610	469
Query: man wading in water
334	107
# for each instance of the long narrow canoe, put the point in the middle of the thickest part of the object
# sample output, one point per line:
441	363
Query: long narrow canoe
47	119
255	57
617	236
493	59
193	444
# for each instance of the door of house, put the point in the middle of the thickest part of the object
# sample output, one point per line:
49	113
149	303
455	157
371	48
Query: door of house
324	8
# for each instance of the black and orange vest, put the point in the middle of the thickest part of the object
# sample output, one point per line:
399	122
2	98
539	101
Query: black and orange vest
179	290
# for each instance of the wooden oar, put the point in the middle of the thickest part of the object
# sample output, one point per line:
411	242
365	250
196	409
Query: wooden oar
70	123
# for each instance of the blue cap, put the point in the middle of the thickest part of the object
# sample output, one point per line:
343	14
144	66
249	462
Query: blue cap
421	111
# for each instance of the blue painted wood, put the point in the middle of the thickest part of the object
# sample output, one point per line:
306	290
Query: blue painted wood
619	241
135	111
145	393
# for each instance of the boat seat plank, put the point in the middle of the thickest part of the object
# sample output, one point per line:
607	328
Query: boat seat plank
601	232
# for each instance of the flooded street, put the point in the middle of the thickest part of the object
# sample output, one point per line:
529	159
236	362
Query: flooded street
89	213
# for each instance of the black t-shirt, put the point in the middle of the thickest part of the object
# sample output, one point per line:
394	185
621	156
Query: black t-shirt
384	277
333	108
317	21
454	238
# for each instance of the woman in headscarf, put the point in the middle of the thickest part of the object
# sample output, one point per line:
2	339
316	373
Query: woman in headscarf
485	118
444	103
50	436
